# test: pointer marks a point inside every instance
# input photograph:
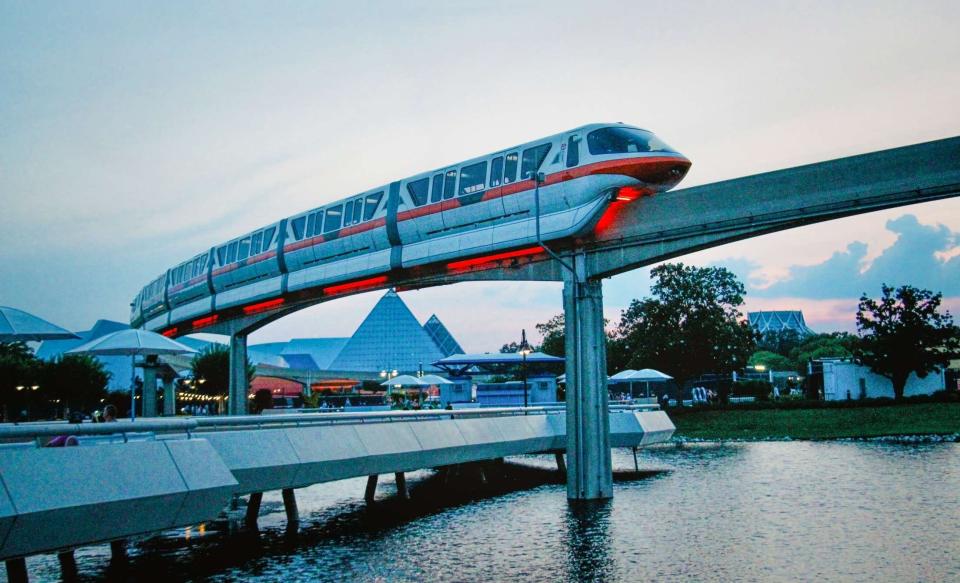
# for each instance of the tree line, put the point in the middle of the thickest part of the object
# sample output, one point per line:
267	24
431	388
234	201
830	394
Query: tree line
692	325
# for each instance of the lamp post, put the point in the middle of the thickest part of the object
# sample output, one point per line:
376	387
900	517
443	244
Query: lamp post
386	374
524	350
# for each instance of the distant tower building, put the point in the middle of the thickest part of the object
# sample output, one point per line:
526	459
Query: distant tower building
778	321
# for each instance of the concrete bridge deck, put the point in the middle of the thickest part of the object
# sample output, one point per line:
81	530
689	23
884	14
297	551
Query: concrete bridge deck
135	478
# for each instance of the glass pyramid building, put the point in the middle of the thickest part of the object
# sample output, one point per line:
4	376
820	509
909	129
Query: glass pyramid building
391	338
778	321
442	337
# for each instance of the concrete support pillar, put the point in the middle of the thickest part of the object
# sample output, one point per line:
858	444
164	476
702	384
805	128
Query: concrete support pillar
118	550
402	485
169	397
253	509
290	506
561	464
371	491
589	466
238	375
17	570
68	566
149	395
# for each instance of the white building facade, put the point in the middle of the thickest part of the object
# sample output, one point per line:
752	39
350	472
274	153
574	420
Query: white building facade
848	380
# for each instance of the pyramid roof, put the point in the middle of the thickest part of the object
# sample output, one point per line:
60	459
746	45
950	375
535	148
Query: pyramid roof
312	353
442	337
390	337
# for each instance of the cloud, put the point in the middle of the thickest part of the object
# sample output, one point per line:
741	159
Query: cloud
922	255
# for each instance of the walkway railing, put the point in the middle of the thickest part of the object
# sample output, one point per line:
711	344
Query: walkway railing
13	433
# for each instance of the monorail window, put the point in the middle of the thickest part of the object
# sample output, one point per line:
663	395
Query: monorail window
244	251
268	237
358	211
255	243
532	160
418	191
449	184
332	220
620	140
373	201
510	170
312	224
472	178
232	252
297	225
436	193
222	255
573	151
496	171
348	214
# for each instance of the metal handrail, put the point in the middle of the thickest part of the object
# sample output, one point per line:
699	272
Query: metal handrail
13	432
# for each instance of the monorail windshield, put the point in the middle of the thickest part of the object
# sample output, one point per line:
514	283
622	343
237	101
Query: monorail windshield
620	140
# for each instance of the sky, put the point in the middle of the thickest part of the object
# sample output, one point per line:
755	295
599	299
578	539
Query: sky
135	135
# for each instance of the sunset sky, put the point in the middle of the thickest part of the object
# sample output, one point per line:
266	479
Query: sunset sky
133	135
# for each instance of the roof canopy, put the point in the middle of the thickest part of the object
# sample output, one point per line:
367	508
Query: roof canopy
459	364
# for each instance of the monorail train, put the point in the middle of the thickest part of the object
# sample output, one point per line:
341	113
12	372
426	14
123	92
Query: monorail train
477	207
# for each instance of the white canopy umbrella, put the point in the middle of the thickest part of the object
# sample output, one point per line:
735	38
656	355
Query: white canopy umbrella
403	380
132	342
649	374
432	379
622	375
19	326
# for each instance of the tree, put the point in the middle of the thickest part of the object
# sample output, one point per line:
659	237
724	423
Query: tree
18	368
691	326
212	365
554	336
903	333
770	360
780	341
833	344
77	380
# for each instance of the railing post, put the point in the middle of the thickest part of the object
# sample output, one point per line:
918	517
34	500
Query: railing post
589	465
169	397
239	387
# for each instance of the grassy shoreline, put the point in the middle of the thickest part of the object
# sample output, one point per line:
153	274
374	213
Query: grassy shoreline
819	423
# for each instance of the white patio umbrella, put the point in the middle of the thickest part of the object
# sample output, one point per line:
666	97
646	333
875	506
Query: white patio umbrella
649	375
17	325
403	380
432	379
132	342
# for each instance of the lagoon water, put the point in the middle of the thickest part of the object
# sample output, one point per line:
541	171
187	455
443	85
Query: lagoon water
813	511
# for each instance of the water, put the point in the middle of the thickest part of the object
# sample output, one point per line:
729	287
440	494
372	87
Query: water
793	511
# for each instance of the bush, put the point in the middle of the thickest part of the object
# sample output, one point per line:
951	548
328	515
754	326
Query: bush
758	389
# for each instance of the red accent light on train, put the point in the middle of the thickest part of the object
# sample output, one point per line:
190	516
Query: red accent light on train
208	321
355	285
263	306
466	263
170	332
630	193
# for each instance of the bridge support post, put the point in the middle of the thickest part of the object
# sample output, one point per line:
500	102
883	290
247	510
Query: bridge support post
589	465
149	396
290	506
17	570
68	565
253	509
371	491
169	397
238	375
402	485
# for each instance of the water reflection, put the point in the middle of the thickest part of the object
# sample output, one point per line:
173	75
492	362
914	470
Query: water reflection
765	511
588	541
